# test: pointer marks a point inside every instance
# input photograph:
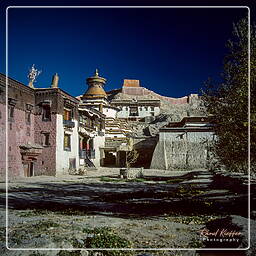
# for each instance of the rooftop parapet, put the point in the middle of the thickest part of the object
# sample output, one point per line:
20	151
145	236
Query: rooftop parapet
131	83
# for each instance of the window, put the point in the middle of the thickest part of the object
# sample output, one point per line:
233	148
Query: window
46	139
181	136
67	142
152	108
11	104
87	122
28	131
46	113
102	125
133	111
28	117
11	113
67	115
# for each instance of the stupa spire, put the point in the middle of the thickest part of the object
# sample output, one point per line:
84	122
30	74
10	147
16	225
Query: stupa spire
95	86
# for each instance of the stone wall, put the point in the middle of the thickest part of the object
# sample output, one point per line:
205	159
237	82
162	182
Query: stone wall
142	91
182	150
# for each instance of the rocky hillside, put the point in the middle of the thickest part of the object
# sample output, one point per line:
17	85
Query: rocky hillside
169	113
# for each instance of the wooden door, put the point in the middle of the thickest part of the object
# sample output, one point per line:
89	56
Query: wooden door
26	169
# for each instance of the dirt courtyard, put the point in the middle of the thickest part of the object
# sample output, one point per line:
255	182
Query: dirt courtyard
161	210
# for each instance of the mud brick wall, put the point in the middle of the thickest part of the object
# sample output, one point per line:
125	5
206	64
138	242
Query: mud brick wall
46	162
2	129
2	140
24	99
57	97
19	132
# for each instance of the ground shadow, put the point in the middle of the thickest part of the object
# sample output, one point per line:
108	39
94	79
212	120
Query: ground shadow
130	199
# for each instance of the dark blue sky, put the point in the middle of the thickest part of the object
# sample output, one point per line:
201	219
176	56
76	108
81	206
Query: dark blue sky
171	51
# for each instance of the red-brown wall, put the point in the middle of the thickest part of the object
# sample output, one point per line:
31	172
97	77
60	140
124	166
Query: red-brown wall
46	163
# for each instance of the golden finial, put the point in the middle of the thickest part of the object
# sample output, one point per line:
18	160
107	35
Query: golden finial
96	72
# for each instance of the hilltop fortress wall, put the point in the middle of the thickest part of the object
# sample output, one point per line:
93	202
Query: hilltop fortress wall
132	87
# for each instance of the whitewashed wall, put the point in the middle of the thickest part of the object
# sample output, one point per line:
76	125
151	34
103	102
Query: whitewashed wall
179	150
114	135
99	142
62	156
109	112
143	111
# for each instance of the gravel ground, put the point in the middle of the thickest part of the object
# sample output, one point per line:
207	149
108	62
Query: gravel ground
51	228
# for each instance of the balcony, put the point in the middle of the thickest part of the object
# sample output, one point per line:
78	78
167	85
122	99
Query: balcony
87	127
68	123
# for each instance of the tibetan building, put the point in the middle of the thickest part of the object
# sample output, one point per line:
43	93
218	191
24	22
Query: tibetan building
50	132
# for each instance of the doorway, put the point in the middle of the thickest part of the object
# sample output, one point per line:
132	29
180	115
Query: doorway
28	169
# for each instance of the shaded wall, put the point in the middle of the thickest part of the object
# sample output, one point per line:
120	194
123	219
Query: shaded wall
2	140
145	148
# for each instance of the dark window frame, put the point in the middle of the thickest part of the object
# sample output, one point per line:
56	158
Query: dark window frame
46	139
68	147
46	113
11	109
28	117
134	111
71	114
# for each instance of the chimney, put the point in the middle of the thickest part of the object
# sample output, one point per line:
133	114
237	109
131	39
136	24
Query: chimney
55	81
